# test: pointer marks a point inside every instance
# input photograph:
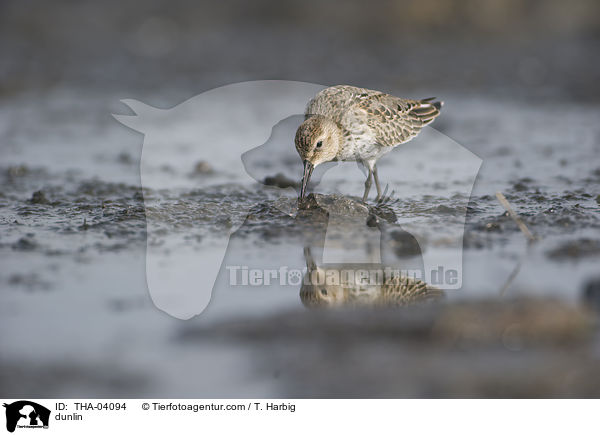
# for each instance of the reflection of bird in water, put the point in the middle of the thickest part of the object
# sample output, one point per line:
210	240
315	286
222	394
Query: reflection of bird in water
346	123
336	287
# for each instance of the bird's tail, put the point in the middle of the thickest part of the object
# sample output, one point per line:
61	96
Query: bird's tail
427	109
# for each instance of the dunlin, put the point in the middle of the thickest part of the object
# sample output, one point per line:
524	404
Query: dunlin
346	123
332	287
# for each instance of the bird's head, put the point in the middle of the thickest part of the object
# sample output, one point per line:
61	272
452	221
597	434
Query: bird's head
318	140
319	290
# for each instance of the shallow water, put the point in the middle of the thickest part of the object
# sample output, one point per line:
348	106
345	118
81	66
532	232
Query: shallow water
73	240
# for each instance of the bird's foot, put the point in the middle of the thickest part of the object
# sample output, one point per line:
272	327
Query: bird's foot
384	198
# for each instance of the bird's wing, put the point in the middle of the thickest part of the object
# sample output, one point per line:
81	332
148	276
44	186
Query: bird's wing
335	101
397	120
393	120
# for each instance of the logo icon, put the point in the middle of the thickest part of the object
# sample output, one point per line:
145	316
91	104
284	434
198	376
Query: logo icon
26	414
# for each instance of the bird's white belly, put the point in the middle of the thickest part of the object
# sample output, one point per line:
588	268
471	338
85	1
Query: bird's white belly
361	149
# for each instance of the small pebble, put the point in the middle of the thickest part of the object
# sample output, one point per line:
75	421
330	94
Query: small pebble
202	168
38	197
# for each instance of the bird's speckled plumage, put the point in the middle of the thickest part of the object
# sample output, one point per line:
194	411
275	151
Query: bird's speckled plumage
372	116
396	292
357	124
392	291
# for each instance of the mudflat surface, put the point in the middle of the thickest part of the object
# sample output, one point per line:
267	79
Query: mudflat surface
75	301
520	86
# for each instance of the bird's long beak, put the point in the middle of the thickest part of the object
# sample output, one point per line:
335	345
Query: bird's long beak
308	169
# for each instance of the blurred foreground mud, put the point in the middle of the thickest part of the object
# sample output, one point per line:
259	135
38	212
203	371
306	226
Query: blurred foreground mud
515	348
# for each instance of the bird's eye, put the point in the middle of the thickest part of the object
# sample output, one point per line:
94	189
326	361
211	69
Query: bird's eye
324	292
319	144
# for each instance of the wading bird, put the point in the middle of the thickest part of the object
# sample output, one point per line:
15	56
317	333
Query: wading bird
346	123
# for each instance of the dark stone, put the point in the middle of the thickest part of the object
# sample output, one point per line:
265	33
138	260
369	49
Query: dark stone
575	249
24	244
405	244
38	197
591	294
280	181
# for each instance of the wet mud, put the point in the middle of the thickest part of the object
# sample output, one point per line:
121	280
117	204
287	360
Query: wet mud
73	239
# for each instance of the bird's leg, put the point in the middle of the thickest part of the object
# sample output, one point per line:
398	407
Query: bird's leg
367	185
377	185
